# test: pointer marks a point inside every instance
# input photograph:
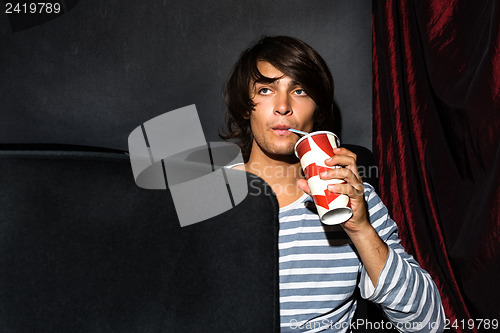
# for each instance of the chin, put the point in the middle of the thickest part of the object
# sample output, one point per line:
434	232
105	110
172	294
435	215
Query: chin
284	150
275	147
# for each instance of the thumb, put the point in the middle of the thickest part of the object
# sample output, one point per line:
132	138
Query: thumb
302	184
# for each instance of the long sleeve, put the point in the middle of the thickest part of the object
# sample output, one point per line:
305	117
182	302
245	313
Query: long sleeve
405	291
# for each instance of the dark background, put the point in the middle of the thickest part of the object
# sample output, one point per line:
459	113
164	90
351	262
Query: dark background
92	75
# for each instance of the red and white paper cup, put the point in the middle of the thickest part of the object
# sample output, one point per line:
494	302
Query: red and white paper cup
312	150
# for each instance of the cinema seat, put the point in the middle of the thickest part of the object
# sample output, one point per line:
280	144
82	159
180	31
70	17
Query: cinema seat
83	249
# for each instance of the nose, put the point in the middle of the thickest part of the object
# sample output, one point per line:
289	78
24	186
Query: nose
282	106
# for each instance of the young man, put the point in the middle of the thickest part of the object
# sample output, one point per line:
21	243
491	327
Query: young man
282	83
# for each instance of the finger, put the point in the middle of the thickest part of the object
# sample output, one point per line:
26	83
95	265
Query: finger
335	173
342	156
347	161
345	151
342	160
346	175
341	173
351	190
302	184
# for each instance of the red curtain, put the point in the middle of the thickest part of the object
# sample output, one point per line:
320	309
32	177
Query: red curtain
436	99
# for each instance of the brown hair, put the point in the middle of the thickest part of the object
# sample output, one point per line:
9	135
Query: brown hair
296	60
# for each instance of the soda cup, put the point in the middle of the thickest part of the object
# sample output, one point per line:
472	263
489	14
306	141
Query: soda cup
312	150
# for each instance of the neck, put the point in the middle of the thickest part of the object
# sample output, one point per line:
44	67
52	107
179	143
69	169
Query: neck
281	172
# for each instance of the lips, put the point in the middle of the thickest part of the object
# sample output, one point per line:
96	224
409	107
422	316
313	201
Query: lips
281	129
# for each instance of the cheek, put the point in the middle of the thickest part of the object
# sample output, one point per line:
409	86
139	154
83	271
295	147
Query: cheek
262	104
255	123
258	116
308	116
309	126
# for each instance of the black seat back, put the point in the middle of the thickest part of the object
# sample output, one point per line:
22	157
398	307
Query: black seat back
83	249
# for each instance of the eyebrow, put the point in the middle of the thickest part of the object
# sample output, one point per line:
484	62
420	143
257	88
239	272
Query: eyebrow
269	80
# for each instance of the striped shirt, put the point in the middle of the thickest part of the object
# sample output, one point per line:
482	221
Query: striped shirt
319	270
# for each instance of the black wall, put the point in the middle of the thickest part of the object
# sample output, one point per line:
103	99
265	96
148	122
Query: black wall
92	75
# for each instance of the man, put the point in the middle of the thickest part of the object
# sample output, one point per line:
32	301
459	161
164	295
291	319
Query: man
281	83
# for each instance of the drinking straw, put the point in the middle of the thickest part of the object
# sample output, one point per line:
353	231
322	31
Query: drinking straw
297	131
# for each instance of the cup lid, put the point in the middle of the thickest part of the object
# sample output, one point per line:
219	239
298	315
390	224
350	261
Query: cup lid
312	134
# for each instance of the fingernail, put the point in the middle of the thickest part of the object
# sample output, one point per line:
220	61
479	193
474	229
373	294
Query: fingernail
323	174
336	150
331	188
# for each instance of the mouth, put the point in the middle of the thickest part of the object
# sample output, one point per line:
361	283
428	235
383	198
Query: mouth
281	130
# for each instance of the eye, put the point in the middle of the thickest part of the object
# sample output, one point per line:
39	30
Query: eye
265	91
300	92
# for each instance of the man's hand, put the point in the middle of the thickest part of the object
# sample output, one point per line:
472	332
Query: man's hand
372	250
353	187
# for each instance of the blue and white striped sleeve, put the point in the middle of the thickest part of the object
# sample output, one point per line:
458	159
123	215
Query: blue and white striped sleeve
405	291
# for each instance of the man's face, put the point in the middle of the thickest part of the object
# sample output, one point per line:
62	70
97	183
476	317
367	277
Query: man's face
279	105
